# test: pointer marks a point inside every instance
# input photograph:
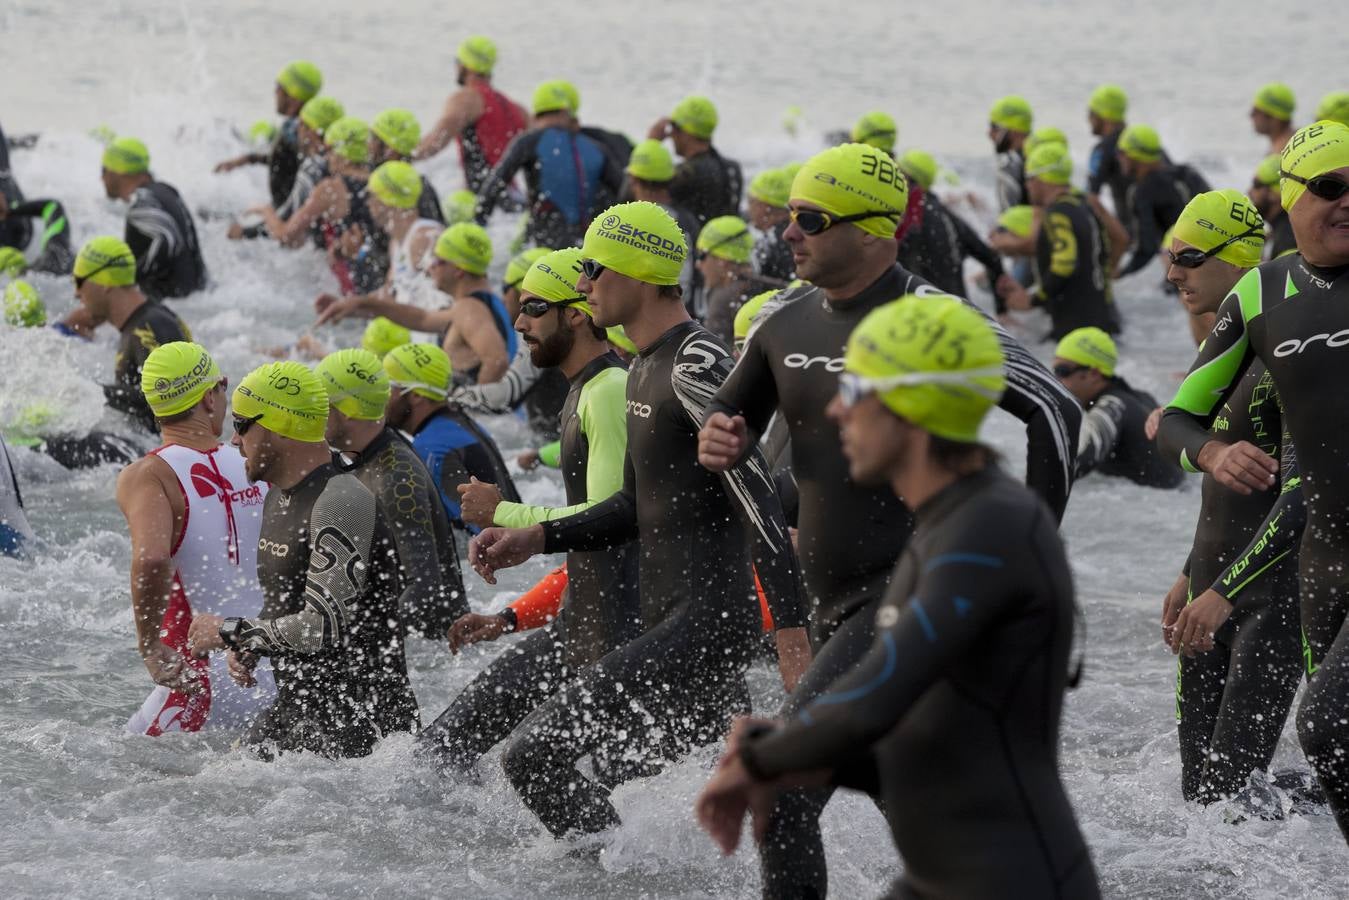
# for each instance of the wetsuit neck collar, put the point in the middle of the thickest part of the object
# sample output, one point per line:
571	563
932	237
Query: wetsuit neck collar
940	504
1325	276
360	457
321	472
671	334
890	286
607	359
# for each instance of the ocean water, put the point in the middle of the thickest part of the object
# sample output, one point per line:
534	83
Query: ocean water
87	809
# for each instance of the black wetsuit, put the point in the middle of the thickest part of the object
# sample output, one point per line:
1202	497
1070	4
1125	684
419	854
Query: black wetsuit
14	231
370	269
330	620
283	161
570	178
1280	239
721	303
1072	259
54	253
1011	186
160	233
1232	701
614	143
952	718
850	535
1103	171
433	586
599	614
773	255
677	685
935	247
708	185
150	325
1295	318
1114	442
1155	203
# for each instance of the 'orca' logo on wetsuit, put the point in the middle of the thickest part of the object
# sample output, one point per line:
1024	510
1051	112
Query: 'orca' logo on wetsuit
801	361
641	410
275	548
1293	346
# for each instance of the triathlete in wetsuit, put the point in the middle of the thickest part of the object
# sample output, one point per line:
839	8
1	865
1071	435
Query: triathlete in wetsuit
1293	314
13	232
1158	191
296	84
936	245
706	183
54	253
1009	124
1105	114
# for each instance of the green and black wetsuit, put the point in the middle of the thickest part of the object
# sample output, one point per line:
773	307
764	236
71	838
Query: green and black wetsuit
1294	317
1072	260
54	253
952	717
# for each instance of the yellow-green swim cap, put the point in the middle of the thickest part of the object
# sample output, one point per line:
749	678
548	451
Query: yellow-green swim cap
1141	143
1275	99
1018	220
1109	102
552	96
1012	113
467	246
106	260
349	138
728	238
356	382
695	115
12	261
23	305
423	369
1313	150
176	376
851	179
747	313
286	398
126	156
382	335
771	186
639	240
1090	347
321	112
300	79
1335	107
396	184
460	206
477	54
398	129
650	161
1051	164
877	129
553	278
520	263
1214	217
920	166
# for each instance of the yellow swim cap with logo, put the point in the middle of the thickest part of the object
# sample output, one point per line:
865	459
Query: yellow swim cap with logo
106	260
728	238
382	335
286	398
356	382
126	156
772	187
919	166
1012	113
349	138
396	184
1313	150
552	96
477	54
1141	143
932	360
321	112
300	79
1051	164
1276	99
176	375
1109	102
520	263
650	161
398	129
423	369
1214	217
876	129
553	278
23	305
1334	107
695	115
852	179
639	240
1018	220
467	246
1090	347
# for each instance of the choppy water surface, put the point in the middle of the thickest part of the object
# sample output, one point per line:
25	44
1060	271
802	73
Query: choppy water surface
88	809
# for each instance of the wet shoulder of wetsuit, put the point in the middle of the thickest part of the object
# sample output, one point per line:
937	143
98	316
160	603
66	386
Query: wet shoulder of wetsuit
1072	258
701	185
594	444
1114	442
1156	203
150	325
482	458
521	153
428	203
615	144
161	234
283	161
14	528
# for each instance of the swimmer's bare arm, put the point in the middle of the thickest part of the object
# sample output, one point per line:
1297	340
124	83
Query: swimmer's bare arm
405	314
328	199
477	327
461	110
145	501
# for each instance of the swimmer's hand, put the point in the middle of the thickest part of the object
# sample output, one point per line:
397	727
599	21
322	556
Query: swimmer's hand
478	502
1172	604
793	655
203	635
528	460
722	441
1017	298
1194	629
230	165
240	667
1153	423
169	668
662	129
475	627
235	232
1242	467
334	309
502	548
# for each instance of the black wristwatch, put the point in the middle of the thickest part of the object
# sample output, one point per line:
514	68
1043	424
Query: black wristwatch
229	632
511	619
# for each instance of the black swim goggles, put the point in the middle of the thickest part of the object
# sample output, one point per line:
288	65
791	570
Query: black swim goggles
117	262
815	221
1193	257
537	307
1327	187
704	252
592	269
1068	370
243	423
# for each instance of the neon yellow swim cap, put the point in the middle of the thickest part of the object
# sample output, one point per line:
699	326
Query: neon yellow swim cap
382	335
1334	107
1267	173
399	129
261	132
932	360
1012	113
639	240
1090	347
619	338
1046	135
573	95
1141	143
349	138
396	184
356	382
126	156
876	129
552	96
477	54
23	305
460	206
1313	150
12	261
553	278
1051	164
176	375
466	245
1275	99
106	260
423	369
772	187
851	179
1214	217
748	313
695	115
520	263
650	161
1109	102
321	112
300	79
728	238
919	166
286	398
1018	220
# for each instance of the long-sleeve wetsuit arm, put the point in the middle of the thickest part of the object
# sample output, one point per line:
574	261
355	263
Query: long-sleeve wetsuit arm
153	237
507	392
603	413
609	523
414	537
958	596
1147	239
517	154
1101	428
973	245
1222	358
341	538
1276	537
750	390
